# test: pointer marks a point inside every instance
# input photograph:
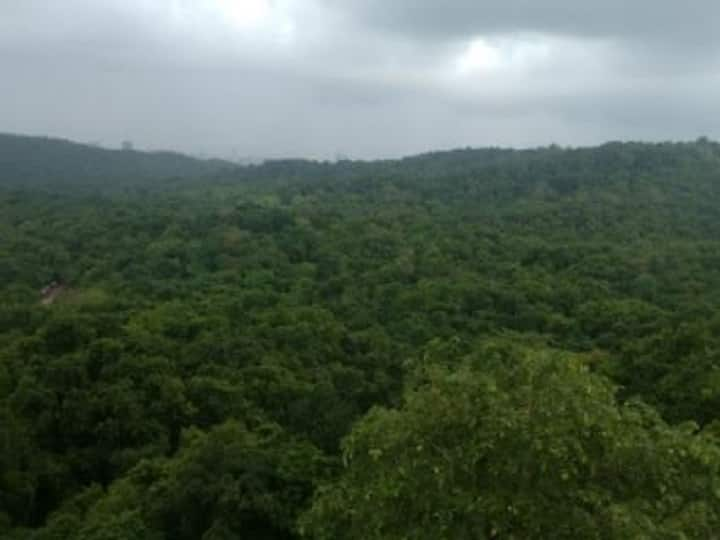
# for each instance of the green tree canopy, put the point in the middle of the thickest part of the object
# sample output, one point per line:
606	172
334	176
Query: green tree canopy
522	445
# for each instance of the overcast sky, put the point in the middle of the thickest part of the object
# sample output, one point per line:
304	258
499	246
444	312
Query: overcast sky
365	78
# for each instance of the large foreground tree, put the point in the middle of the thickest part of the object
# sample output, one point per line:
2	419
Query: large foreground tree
521	446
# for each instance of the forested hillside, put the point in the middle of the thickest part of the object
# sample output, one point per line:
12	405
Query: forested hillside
478	344
57	164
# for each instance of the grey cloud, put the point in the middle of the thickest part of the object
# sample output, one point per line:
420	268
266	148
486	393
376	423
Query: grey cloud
367	79
682	23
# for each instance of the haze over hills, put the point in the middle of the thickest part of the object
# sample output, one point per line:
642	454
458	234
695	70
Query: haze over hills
50	163
47	162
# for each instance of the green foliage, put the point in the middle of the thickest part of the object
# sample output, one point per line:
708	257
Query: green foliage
526	445
213	340
227	482
56	164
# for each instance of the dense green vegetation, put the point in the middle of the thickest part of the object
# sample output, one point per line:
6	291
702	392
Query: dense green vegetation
470	344
54	164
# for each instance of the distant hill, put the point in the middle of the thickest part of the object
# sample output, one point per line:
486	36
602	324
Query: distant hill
40	162
481	175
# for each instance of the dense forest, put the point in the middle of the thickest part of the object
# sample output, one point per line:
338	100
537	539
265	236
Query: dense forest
475	344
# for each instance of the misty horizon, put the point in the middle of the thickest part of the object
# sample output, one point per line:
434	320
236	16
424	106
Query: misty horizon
240	160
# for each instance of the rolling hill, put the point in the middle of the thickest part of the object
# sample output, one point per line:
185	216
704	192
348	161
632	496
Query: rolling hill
40	162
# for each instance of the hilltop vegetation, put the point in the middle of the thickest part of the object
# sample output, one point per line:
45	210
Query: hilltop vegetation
57	164
471	344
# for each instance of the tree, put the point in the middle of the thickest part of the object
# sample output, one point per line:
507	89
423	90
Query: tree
225	483
520	445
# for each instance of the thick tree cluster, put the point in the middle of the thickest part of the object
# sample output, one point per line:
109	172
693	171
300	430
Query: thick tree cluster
481	344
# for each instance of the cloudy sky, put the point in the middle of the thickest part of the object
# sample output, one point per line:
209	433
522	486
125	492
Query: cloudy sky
365	78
